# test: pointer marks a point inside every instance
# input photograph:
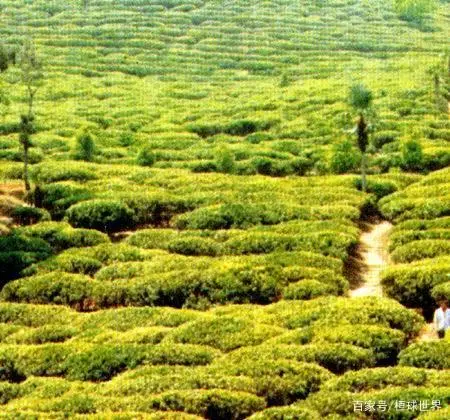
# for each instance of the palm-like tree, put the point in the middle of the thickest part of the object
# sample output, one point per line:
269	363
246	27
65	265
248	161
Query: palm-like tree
360	98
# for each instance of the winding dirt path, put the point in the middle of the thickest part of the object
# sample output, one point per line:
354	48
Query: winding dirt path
375	257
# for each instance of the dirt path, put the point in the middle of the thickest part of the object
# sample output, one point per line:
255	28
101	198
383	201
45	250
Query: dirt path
375	257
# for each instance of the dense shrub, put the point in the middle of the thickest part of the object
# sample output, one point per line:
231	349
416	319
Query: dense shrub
57	287
194	246
26	215
68	262
41	360
337	358
418	250
223	217
8	391
385	343
379	188
45	334
431	355
153	238
368	310
146	157
103	215
378	378
401	237
441	291
156	209
382	138
62	236
58	197
414	10
224	333
205	130
70	171
271	167
17	252
204	166
345	158
225	161
8	373
85	147
102	362
308	289
284	413
412	285
412	156
213	404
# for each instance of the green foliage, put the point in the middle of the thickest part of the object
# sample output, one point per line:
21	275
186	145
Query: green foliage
8	373
360	97
282	413
101	363
412	156
430	355
213	404
17	252
85	147
4	59
103	215
61	236
224	333
56	287
418	250
414	10
225	161
345	158
126	138
26	215
146	157
194	246
412	284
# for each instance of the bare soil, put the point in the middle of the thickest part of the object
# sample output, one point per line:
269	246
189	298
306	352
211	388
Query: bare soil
375	258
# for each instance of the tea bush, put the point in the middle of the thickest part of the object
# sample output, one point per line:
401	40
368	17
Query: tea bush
431	355
418	250
102	362
214	404
412	285
103	215
224	333
337	358
379	378
17	252
61	236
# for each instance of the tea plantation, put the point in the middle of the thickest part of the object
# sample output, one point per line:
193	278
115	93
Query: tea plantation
192	232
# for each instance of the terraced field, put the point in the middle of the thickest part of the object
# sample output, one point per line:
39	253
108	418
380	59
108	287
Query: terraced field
197	261
264	81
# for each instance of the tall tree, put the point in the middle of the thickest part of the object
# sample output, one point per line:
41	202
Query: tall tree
26	129
31	76
360	99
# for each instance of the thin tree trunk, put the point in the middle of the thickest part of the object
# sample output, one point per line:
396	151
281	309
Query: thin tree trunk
363	173
30	102
25	169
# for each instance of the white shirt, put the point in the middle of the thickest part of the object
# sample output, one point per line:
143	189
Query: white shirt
441	319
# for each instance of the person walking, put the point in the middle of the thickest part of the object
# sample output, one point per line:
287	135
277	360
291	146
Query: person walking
442	318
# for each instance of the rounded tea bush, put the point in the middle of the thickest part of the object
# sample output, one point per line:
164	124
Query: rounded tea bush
431	355
285	413
103	215
102	362
194	246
